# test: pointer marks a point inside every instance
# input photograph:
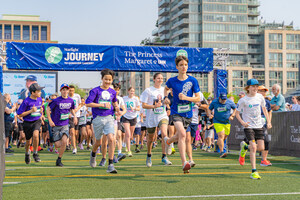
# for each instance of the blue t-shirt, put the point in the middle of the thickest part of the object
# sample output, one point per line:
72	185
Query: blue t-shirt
268	107
188	87
279	101
222	111
9	117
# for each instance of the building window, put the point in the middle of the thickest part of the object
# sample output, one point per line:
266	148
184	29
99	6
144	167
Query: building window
26	33
275	59
275	77
35	33
239	80
7	32
44	33
275	41
260	76
17	32
292	80
293	41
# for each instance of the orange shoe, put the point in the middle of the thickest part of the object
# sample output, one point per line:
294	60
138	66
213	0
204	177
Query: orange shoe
31	148
241	160
40	148
265	163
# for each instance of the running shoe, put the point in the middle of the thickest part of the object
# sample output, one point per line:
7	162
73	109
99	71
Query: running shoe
40	148
265	163
9	151
88	148
208	149
93	162
192	163
121	157
98	151
173	150
44	146
126	150
27	159
166	161
111	169
74	151
103	162
68	147
149	162
129	154
18	145
142	147
255	175
167	146
56	151
186	167
81	146
242	153
59	163
31	148
137	150
223	155
194	148
36	157
115	160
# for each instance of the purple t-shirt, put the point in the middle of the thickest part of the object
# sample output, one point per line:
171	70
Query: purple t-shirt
27	104
98	95
60	110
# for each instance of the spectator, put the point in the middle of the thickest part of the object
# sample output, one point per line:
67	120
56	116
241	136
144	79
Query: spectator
278	101
295	105
8	118
241	94
30	79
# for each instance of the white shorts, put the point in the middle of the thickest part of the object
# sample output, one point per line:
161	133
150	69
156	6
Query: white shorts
209	133
103	125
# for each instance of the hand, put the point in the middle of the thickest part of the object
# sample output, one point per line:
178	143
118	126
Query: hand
118	117
117	109
43	123
231	117
211	116
132	108
16	125
51	123
167	101
269	125
33	109
158	104
245	124
75	120
181	96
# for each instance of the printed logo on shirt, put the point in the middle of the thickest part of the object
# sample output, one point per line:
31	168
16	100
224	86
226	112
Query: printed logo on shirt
65	105
186	87
105	95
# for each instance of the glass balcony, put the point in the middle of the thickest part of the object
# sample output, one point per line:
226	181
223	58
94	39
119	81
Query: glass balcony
180	23
183	4
163	3
253	3
163	20
183	41
163	12
253	13
155	32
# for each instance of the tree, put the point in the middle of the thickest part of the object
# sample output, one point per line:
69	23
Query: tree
207	94
79	91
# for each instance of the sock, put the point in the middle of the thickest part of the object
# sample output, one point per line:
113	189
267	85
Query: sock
163	156
253	170
172	145
119	151
110	161
93	154
149	155
136	146
59	158
35	152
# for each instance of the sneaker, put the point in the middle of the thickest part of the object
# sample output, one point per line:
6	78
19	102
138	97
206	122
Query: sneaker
98	152
36	157
123	145
44	146
142	147
121	157
115	160
223	155
103	162
149	162
81	146
18	145
166	161
40	148
255	175
27	159
194	148
137	150
192	163
74	151
50	149
126	150
242	153
129	154
167	146
93	162
111	169
59	163
173	151
31	148
88	148
9	151
68	147
186	167
265	163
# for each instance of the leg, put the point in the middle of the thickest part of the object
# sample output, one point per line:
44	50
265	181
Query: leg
181	140
111	145
127	135
252	148
104	146
220	142
189	145
35	140
164	133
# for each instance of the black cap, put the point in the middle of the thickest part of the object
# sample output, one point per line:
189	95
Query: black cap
34	87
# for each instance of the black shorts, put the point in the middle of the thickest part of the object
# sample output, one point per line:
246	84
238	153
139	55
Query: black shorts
72	125
121	127
82	125
45	127
171	122
9	128
254	133
143	128
137	131
30	127
89	123
185	121
20	126
132	122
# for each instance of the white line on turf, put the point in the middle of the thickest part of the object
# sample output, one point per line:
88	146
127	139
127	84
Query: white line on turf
10	183
199	196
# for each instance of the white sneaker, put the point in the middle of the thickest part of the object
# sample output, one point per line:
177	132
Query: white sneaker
74	151
93	162
168	147
192	163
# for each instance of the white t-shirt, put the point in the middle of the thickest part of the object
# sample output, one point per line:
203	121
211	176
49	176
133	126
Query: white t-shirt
143	111
195	118
77	100
251	107
90	117
83	118
295	107
131	102
154	116
121	103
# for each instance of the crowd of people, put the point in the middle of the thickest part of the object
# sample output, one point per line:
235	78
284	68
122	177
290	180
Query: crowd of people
175	114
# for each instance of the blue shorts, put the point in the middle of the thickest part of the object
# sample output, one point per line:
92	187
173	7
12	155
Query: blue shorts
137	131
192	128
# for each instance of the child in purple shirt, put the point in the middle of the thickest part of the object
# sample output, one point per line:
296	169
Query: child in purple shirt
102	99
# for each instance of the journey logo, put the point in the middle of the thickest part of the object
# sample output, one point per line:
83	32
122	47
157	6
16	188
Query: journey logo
182	53
53	55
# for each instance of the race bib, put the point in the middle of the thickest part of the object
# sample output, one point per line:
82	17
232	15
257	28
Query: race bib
36	114
222	109
183	108
64	116
159	110
82	120
102	102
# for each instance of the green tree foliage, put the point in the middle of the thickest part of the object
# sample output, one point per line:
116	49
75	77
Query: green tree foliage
79	91
207	94
236	97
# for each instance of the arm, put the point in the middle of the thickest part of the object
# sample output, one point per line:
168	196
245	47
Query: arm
97	105
32	110
74	114
166	99
13	109
116	106
232	115
275	107
270	115
191	99
244	124
48	110
269	125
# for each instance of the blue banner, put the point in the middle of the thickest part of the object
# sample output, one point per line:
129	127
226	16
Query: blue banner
220	82
74	57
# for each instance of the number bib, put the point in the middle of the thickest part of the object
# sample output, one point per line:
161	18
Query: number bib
159	110
81	120
102	102
222	109
183	108
64	116
36	114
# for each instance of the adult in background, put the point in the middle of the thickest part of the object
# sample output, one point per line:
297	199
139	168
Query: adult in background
242	94
30	79
295	106
278	101
8	118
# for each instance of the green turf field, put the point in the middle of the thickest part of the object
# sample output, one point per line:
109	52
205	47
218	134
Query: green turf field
211	176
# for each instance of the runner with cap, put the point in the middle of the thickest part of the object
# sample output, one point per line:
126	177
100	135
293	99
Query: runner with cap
252	105
221	119
58	112
31	111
